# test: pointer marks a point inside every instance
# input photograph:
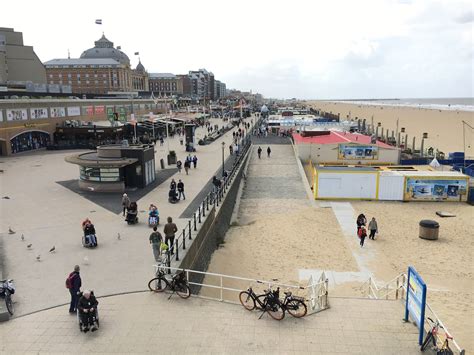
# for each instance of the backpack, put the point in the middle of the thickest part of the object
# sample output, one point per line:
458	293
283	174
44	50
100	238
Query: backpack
70	280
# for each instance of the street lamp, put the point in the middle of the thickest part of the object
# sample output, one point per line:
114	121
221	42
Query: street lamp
223	168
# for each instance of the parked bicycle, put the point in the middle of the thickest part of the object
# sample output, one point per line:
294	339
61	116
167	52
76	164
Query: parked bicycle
294	305
177	283
432	335
267	302
7	289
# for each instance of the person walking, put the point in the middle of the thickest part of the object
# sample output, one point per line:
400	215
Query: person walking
231	150
195	161
181	190
173	185
179	165
125	203
155	241
259	152
268	152
373	228
74	283
170	231
361	221
362	234
187	165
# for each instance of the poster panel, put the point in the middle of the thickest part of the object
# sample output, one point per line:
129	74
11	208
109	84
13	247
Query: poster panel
89	110
99	110
357	152
37	113
74	111
57	112
122	114
17	114
435	189
416	300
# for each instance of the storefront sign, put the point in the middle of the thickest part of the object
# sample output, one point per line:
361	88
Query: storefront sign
37	113
74	111
89	110
57	112
99	110
357	152
416	300
17	114
122	114
110	113
435	189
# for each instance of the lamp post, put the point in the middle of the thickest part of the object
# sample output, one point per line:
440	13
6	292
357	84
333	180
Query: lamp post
223	166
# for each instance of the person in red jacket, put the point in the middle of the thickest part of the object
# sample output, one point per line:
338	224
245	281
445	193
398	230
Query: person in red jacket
362	234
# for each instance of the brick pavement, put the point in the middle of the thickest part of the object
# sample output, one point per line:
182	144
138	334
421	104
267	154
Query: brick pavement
147	322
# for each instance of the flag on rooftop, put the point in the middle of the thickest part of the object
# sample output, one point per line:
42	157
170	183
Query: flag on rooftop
137	53
98	22
119	47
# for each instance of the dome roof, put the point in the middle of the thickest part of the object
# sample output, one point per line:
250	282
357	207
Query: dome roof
140	67
105	49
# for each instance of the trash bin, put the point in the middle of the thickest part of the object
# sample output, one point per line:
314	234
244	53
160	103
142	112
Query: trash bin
162	163
429	229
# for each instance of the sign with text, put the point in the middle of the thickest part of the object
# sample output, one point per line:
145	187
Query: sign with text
57	112
416	300
74	111
99	110
17	114
122	114
357	152
37	113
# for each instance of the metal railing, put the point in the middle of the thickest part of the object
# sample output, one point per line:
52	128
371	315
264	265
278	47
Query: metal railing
397	289
213	199
226	288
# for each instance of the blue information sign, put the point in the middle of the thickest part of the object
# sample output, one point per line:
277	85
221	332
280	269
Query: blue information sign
416	300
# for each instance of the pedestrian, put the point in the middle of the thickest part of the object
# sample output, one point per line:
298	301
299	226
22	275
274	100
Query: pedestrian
231	150
74	283
187	165
373	228
259	152
170	231
195	161
155	241
361	221
181	140
181	190
125	203
161	141
362	234
268	152
179	165
173	185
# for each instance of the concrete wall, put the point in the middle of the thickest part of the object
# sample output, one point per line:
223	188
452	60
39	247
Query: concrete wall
328	153
347	185
212	232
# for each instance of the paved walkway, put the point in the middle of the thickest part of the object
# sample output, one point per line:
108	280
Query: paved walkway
147	322
48	214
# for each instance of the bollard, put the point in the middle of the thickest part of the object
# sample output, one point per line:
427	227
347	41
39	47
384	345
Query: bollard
207	202
204	208
195	226
169	260
189	229
177	249
184	239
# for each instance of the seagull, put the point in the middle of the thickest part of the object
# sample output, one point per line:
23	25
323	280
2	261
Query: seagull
38	257
86	260
52	249
90	188
11	231
118	236
22	238
29	246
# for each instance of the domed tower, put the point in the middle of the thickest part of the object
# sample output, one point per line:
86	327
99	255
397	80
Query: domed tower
140	68
105	49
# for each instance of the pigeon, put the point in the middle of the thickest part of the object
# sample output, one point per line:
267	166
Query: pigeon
52	249
29	246
22	238
86	260
11	231
118	236
38	258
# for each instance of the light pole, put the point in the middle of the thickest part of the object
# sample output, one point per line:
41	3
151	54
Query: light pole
223	167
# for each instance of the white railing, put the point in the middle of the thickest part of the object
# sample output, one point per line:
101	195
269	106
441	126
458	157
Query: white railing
397	289
226	288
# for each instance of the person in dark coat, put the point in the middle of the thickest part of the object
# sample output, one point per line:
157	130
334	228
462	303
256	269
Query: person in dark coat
87	306
76	283
268	152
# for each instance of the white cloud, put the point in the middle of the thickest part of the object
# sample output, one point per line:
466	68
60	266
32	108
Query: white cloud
299	48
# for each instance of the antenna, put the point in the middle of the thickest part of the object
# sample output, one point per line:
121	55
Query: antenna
68	54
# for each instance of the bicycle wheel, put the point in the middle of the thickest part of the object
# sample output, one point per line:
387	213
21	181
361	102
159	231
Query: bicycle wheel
246	300
260	302
9	303
182	290
296	308
429	336
157	284
275	311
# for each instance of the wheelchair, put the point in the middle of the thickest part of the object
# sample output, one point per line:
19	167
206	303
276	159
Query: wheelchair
95	316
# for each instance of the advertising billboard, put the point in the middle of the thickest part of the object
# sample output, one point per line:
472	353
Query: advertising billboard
17	114
122	114
36	113
57	112
435	189
357	152
99	110
73	111
416	300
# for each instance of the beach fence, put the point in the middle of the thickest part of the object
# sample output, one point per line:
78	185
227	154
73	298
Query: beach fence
226	288
396	289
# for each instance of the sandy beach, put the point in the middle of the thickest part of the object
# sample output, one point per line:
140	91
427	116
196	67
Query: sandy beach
444	128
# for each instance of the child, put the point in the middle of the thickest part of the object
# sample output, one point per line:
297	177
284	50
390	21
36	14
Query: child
362	234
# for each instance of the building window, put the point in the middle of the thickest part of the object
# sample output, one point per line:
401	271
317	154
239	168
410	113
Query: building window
60	82
50	76
96	82
70	82
78	76
51	81
87	75
99	174
87	82
104	75
95	75
105	82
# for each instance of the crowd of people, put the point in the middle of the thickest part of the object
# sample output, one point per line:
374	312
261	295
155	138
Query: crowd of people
362	230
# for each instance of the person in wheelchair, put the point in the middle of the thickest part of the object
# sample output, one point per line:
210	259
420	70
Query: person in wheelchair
173	196
87	307
132	213
90	238
153	216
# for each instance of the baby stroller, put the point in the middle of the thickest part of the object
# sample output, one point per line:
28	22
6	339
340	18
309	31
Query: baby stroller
94	316
89	238
132	213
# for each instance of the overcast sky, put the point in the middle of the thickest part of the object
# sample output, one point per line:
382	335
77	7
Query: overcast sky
305	49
